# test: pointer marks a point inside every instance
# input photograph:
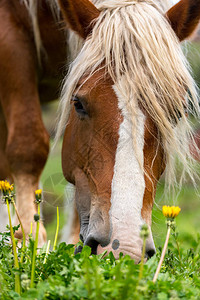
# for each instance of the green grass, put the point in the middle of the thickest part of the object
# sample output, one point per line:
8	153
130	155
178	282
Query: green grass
82	276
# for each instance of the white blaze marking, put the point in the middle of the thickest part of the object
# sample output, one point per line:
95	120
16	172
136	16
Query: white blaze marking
128	184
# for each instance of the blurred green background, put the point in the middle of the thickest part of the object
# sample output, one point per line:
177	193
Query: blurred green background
53	183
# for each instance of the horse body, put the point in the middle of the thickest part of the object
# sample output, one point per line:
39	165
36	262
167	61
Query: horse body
24	82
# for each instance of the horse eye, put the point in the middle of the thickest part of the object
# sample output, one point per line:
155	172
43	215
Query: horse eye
79	106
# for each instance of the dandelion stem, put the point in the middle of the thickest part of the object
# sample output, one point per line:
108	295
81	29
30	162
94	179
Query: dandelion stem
35	249
46	254
17	277
23	233
57	229
142	259
31	230
177	244
162	255
179	253
47	251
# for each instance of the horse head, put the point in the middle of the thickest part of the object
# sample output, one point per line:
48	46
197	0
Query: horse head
123	114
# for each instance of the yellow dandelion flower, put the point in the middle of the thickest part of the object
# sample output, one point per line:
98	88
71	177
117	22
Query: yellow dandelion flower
38	196
175	211
38	192
171	211
6	187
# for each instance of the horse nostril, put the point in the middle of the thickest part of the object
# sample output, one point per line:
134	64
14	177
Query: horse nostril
93	244
150	253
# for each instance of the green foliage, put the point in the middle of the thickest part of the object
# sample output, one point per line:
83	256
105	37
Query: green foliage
84	276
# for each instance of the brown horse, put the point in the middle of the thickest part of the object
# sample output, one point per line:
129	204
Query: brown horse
33	55
123	113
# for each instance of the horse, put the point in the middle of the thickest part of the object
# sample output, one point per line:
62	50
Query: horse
36	48
124	115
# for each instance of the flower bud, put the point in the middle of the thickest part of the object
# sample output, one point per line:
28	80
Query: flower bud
36	217
144	232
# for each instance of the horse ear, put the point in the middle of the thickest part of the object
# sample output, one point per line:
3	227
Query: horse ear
79	15
184	17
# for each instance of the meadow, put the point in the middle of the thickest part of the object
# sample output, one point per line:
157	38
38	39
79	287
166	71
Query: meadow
59	274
